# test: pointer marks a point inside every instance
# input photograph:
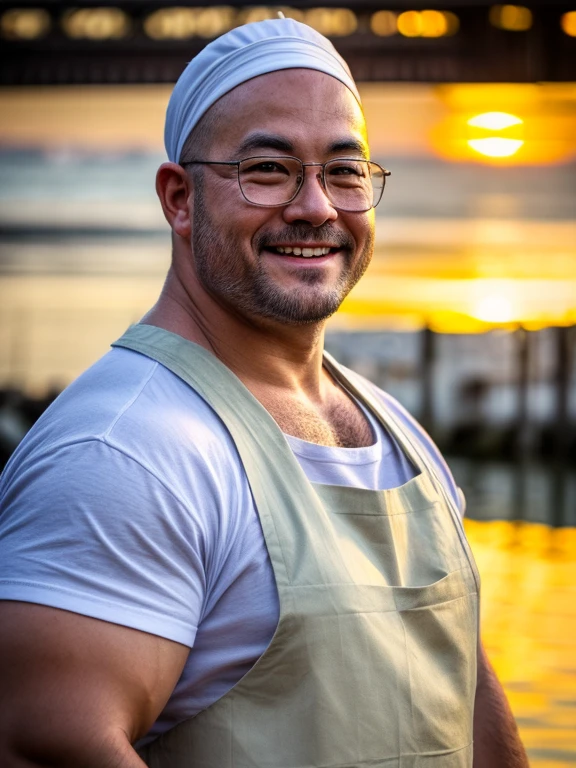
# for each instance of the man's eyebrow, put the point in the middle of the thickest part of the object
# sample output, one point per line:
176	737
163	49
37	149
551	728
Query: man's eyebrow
256	141
349	145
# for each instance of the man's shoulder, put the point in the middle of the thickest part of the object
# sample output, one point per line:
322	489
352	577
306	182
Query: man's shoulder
134	406
117	475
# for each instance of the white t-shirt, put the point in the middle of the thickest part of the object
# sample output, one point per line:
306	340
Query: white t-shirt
127	502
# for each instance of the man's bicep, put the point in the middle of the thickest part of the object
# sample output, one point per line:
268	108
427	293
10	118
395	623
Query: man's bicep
90	530
73	685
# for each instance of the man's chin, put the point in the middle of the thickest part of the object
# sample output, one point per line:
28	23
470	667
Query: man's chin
291	309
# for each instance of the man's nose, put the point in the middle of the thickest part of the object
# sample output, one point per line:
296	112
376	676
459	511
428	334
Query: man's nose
311	204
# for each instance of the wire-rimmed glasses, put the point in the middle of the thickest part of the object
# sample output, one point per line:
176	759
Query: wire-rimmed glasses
351	184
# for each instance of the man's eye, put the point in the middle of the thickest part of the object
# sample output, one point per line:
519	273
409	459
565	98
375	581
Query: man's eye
267	167
347	169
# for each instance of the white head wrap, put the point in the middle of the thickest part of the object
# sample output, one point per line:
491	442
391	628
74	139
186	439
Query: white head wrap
239	55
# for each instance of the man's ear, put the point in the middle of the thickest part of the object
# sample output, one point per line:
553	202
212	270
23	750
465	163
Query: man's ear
173	187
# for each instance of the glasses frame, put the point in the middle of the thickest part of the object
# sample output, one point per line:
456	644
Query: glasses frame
303	165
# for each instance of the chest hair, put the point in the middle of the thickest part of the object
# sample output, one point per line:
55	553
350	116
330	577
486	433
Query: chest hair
339	424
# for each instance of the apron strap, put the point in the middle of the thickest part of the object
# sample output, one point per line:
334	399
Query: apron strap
276	479
356	385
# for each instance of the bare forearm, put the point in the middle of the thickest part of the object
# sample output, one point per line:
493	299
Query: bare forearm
496	739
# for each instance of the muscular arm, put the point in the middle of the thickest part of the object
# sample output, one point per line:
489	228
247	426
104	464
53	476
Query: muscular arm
496	740
77	692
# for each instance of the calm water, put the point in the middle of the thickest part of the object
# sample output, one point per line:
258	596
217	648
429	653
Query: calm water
529	629
528	571
535	493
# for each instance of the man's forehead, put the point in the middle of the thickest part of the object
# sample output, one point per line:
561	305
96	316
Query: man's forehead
271	87
277	109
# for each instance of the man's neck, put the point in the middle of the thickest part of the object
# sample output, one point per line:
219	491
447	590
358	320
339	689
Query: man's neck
264	354
280	364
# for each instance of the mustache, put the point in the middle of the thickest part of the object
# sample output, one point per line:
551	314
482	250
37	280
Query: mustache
305	233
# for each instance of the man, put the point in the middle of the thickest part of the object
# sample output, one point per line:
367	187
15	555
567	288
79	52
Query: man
219	548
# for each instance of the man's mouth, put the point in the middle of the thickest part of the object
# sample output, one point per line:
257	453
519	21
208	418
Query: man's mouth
304	252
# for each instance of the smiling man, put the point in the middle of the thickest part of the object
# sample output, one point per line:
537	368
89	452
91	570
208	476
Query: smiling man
218	548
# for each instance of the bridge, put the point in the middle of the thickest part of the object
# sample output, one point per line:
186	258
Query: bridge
56	42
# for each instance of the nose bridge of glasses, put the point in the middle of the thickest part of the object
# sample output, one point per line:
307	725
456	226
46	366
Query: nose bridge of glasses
319	176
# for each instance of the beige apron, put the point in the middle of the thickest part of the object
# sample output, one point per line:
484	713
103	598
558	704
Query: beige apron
373	662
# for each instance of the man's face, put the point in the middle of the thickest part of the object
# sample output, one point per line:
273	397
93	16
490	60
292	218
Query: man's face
311	116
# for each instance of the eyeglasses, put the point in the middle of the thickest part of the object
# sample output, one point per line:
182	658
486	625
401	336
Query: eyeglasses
351	185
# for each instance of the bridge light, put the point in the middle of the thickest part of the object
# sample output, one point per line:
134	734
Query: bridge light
262	13
428	23
410	24
171	24
452	23
179	23
257	13
24	23
384	23
434	24
513	18
96	23
332	22
568	23
212	22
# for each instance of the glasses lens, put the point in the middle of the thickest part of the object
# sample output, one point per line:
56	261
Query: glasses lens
354	185
269	180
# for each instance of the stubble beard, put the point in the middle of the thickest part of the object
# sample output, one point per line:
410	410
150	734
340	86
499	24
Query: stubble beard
250	290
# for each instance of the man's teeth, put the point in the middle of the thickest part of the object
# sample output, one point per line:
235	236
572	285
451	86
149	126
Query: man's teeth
306	252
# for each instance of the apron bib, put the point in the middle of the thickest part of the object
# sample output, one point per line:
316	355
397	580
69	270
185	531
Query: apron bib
373	662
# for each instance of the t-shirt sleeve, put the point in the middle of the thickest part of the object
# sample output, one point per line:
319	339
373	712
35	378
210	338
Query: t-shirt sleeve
88	529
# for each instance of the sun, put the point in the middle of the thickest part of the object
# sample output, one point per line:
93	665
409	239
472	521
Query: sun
494	123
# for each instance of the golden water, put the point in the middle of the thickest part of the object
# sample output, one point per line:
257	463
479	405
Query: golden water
529	629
